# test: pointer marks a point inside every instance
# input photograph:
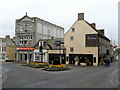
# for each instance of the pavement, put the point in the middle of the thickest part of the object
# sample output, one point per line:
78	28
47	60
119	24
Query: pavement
17	76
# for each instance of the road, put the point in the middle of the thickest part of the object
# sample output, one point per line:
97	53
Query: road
17	76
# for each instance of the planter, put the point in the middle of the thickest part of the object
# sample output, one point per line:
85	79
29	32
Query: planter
37	65
56	68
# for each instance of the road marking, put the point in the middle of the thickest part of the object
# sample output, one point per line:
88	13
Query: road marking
117	82
4	77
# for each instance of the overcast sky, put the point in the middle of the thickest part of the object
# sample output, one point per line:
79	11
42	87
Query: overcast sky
61	12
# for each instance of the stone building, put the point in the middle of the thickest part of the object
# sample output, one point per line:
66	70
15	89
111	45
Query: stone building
7	49
84	43
28	31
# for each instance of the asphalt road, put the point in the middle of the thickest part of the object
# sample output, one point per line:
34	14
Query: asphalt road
17	76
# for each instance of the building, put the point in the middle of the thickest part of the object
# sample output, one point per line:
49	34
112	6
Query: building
50	51
28	31
7	49
84	43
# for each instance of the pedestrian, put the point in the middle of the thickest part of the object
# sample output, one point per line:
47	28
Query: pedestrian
105	62
108	63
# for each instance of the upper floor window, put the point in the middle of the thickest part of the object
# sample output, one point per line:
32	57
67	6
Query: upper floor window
25	38
71	38
30	27
21	28
25	42
0	49
71	49
21	38
21	43
3	49
30	37
73	29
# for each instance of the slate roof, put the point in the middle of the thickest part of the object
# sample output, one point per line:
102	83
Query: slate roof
8	41
49	43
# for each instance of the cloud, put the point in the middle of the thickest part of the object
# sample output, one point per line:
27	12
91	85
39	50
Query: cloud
60	12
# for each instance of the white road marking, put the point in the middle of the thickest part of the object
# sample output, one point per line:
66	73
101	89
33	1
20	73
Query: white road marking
117	82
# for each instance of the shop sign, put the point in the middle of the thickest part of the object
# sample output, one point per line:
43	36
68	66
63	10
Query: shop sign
24	48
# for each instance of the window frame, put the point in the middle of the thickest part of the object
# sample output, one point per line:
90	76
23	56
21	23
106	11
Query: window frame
71	49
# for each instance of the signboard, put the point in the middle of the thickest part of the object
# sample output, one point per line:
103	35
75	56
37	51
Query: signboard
24	48
91	40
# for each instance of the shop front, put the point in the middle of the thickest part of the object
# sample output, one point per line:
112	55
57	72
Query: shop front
81	59
41	57
57	59
24	54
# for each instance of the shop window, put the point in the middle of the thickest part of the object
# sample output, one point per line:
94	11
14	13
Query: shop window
82	59
37	56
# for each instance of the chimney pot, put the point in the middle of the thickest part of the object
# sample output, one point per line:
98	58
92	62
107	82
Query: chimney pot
93	25
7	36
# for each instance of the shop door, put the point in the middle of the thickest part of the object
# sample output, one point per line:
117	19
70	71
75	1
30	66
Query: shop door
25	57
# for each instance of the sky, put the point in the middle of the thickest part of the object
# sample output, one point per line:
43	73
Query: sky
62	13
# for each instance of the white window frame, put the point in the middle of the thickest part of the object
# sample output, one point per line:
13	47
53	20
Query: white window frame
71	49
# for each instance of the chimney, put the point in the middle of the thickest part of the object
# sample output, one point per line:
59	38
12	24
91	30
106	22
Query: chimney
7	36
80	16
93	25
101	31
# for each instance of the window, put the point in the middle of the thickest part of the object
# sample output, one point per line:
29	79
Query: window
71	38
73	29
94	58
25	38
21	28
3	56
20	56
21	38
0	49
30	27
21	42
37	56
25	42
71	49
31	37
3	49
